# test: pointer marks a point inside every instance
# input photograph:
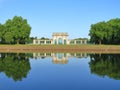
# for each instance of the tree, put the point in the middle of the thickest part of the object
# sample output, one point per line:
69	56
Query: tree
43	38
105	65
21	29
8	37
15	30
106	32
97	32
2	28
115	26
15	65
8	31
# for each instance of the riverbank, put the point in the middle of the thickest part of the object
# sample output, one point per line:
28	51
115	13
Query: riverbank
61	48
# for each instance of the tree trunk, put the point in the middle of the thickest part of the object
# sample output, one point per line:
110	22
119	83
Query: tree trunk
100	42
17	41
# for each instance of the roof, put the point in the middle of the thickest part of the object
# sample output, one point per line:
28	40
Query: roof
60	34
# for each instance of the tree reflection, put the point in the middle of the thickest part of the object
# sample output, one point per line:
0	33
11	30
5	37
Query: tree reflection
14	65
105	65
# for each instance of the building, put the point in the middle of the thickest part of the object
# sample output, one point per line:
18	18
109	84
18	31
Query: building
59	58
60	39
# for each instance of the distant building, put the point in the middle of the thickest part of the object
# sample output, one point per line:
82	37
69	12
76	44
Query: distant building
60	38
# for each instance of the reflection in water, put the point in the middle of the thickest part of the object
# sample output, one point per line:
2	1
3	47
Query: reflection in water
14	65
105	65
73	75
59	58
17	65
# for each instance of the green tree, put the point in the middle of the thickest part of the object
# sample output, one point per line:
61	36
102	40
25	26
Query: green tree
105	65
115	26
97	32
16	30
106	32
15	65
21	29
2	29
8	32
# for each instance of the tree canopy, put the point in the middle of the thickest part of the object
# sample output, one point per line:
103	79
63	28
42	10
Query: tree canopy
105	65
105	32
15	31
15	65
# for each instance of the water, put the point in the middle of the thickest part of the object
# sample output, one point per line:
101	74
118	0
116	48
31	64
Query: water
59	71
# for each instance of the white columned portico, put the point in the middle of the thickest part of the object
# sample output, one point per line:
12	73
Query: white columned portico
60	38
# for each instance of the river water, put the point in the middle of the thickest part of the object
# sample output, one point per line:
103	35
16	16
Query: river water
59	71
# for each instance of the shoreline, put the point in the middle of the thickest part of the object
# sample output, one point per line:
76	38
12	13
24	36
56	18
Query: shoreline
60	48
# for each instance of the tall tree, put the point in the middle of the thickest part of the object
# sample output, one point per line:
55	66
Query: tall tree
2	29
15	66
115	26
21	29
17	30
105	65
8	31
106	32
97	32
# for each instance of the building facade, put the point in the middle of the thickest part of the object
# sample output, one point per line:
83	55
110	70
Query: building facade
60	39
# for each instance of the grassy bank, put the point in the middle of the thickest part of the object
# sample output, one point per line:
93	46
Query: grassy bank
61	48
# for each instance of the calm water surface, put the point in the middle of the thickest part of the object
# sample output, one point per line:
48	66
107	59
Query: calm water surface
59	71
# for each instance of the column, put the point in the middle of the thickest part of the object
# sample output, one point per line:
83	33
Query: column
56	40
75	54
63	38
74	41
62	41
45	54
80	41
38	41
45	42
85	41
68	41
34	41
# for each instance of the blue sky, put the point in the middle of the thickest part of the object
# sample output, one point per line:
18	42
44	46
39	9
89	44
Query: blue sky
72	16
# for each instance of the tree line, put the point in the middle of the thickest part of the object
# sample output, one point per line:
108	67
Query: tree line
105	32
15	31
105	65
15	65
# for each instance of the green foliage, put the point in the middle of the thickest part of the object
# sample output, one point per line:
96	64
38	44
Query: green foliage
43	38
14	65
15	31
105	32
2	29
81	39
105	65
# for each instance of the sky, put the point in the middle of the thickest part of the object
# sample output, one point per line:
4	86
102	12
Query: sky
48	16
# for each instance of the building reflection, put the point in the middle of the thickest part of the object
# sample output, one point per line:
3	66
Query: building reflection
17	65
59	58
